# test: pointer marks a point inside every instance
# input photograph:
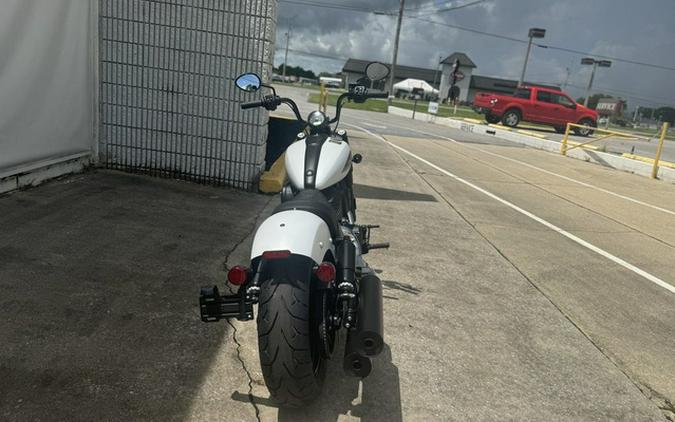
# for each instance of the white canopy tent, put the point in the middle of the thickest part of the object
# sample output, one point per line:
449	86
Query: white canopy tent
409	84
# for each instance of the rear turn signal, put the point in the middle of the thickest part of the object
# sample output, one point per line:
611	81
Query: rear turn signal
325	272
237	275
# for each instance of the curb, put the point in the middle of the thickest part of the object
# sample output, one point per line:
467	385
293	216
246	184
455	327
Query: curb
586	154
273	179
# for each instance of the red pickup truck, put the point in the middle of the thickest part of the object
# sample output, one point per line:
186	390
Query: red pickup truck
538	105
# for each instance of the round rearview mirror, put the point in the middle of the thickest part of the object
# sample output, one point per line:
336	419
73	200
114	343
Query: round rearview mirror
249	82
376	71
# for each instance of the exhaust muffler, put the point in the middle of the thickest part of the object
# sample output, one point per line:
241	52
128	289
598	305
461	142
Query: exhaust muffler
368	336
355	364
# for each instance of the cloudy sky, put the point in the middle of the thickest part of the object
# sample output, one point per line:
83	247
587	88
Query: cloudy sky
642	31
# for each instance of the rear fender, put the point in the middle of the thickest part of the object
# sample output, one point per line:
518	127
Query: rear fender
300	232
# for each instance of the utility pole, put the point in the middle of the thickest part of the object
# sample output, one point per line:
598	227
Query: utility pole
567	78
288	36
393	61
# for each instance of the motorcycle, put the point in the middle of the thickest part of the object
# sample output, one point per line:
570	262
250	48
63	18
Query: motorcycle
307	273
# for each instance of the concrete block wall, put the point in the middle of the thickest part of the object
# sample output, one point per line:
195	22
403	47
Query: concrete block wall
168	104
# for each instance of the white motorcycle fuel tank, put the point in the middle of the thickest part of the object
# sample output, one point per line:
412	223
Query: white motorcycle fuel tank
328	161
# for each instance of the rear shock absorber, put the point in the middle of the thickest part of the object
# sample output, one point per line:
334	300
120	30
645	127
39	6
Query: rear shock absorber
347	280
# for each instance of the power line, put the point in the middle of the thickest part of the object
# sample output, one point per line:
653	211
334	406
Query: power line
475	31
447	9
479	32
618	59
328	6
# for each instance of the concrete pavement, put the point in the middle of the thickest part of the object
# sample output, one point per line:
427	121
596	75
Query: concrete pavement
99	277
488	315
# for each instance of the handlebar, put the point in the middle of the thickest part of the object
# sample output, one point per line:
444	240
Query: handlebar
252	104
271	102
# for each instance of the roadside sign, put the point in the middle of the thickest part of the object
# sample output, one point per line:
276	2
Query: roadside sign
458	76
433	107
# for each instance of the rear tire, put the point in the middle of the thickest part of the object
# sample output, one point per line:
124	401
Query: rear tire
492	119
290	353
585	131
511	118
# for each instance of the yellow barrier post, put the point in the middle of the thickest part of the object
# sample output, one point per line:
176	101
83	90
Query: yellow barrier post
322	98
655	169
563	146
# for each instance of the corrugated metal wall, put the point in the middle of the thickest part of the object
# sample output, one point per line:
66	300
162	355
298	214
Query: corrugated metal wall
169	106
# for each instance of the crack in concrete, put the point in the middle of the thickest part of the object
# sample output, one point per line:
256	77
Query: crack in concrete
251	398
669	407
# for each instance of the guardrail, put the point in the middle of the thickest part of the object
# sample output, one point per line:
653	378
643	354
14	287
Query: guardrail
565	145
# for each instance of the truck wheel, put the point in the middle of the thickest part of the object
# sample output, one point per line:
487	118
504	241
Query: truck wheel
511	118
585	131
491	118
289	343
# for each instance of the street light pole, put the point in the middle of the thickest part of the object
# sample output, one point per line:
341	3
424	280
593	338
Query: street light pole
533	33
393	61
590	84
595	63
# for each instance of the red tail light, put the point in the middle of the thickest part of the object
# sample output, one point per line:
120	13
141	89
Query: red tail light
276	254
325	272
237	275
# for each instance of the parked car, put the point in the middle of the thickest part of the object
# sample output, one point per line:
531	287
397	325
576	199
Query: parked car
538	105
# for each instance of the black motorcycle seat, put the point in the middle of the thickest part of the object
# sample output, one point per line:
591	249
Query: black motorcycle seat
313	201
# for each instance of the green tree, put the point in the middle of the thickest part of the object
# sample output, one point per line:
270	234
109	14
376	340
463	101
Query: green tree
295	71
665	114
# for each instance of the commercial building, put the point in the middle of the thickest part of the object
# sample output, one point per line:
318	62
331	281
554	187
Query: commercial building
355	69
136	85
468	83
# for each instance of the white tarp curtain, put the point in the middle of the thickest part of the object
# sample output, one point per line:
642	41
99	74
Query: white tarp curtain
46	80
409	84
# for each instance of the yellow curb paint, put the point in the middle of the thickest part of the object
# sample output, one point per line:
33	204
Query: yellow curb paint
499	127
470	120
527	132
273	180
648	160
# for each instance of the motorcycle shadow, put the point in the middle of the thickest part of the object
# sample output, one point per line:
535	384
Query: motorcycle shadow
375	398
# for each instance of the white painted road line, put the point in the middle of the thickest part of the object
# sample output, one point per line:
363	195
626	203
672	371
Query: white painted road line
569	179
526	213
374	125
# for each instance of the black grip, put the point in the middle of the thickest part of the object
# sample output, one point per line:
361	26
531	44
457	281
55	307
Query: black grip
252	104
378	95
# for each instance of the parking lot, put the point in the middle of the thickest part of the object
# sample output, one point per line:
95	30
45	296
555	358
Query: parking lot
490	313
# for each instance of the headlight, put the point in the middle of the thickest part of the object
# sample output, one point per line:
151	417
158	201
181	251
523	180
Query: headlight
316	118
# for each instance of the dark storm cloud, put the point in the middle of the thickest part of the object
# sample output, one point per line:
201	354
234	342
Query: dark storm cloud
642	31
